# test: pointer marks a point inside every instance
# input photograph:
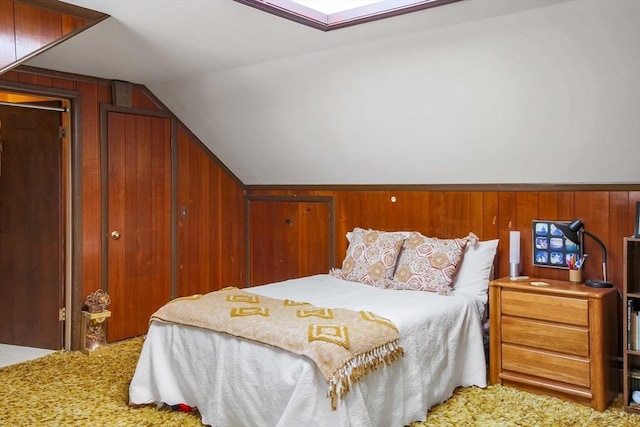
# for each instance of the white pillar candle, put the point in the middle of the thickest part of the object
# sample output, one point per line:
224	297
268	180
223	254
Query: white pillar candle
514	247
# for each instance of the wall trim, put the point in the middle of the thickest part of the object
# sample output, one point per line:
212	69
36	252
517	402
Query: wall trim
454	187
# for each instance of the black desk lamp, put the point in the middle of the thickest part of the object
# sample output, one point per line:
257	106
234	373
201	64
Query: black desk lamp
574	233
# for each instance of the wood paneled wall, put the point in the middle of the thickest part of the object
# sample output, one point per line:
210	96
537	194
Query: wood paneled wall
28	27
210	241
210	222
490	213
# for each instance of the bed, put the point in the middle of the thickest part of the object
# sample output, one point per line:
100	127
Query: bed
238	382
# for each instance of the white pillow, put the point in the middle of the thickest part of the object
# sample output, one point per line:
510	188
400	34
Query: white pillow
475	268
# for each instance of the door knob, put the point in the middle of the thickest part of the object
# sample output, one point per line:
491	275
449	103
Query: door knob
115	235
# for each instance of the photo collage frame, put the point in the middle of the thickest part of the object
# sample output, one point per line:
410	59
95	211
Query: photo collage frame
550	247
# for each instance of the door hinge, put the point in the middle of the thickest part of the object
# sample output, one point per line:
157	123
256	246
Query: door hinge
62	132
62	314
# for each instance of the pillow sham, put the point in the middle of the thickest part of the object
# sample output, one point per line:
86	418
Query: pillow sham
475	269
428	263
405	234
371	256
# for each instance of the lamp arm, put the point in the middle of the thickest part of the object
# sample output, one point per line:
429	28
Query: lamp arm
604	252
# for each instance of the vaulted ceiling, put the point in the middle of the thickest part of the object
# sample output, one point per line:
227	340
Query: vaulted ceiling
411	99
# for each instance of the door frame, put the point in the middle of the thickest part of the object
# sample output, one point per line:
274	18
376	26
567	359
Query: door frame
105	109
294	198
72	219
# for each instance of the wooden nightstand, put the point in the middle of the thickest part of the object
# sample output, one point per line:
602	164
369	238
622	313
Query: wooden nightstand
559	340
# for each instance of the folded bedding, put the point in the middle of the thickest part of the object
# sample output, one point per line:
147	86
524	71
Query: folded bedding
344	344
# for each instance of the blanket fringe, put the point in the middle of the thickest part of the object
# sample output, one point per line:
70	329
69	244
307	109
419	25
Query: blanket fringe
358	366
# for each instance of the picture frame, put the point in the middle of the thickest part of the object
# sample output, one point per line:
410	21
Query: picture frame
637	222
550	247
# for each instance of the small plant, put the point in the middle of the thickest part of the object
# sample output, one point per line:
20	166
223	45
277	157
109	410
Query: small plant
97	302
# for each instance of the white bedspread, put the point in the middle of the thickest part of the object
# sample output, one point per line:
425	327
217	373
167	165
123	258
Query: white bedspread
234	382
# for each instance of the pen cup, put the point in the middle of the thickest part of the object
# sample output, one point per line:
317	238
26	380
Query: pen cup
575	276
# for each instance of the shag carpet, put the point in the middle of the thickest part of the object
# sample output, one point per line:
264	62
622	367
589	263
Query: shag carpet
75	389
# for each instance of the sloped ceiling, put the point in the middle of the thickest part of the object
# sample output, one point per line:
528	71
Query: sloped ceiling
151	41
282	103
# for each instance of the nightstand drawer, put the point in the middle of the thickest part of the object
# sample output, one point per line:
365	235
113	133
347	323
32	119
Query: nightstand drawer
546	307
546	336
542	364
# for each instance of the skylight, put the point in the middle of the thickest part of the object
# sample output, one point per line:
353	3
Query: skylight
329	7
332	14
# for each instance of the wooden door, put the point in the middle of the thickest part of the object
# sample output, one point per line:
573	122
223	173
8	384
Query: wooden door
31	238
138	230
289	239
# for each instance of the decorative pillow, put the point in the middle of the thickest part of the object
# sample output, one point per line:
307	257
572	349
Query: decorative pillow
475	269
371	255
429	263
405	234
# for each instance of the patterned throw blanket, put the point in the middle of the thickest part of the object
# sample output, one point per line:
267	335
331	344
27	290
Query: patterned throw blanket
344	344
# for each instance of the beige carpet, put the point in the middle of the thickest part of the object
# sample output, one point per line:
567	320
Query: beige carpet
74	389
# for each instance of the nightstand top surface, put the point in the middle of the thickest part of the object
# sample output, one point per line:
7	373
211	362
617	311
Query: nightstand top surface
560	287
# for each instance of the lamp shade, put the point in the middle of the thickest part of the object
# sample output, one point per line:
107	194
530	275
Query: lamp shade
572	230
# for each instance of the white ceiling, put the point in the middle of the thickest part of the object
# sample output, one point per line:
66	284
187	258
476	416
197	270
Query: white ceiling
153	41
484	85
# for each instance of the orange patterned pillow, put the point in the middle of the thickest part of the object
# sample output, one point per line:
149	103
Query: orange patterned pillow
428	263
371	256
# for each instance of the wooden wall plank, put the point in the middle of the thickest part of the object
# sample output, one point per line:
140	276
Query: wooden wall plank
45	81
10	76
476	214
231	225
618	226
91	189
592	207
31	79
526	212
547	210
314	225
70	23
7	34
437	208
216	211
506	223
63	83
184	154
35	28
458	213
490	224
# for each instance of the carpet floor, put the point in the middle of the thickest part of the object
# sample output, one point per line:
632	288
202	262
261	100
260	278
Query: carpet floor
75	389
